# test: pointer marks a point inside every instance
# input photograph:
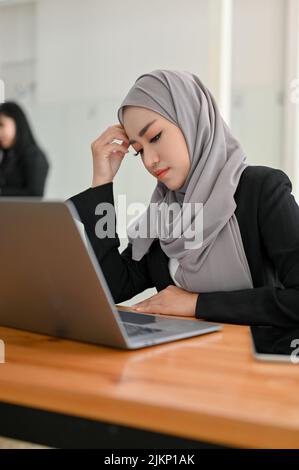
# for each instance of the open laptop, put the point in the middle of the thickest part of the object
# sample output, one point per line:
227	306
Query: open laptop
51	283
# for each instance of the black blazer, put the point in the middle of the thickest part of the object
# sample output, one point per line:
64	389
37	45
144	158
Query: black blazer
23	175
268	217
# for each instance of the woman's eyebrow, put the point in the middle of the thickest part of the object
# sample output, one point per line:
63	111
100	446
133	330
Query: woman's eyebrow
143	131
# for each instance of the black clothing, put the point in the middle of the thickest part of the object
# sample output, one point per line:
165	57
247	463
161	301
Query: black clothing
268	218
23	175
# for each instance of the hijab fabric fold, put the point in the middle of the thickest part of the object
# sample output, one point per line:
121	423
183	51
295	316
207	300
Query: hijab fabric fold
217	260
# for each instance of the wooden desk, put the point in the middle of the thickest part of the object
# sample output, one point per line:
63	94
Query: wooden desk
208	389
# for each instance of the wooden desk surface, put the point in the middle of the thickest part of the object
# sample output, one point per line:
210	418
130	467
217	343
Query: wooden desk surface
208	388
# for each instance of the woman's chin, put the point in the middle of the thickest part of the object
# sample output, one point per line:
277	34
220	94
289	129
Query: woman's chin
172	185
5	146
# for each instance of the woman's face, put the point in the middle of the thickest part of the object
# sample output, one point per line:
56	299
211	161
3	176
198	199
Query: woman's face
162	146
7	131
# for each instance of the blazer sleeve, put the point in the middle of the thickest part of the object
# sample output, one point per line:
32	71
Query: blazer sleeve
279	230
124	276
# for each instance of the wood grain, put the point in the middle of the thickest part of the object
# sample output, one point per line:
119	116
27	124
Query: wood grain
208	388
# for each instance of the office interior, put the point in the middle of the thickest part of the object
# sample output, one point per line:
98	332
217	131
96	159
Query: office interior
70	63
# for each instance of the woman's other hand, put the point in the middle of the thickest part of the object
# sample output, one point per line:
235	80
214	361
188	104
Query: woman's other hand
170	301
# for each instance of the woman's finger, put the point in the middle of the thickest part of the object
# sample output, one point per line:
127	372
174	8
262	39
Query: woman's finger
112	133
140	304
152	308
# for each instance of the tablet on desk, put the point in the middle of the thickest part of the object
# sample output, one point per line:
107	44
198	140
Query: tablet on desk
275	344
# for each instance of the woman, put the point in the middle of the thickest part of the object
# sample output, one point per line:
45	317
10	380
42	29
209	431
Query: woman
23	166
246	270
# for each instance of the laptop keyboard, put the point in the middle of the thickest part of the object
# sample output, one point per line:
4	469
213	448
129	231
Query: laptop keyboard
135	330
138	323
136	318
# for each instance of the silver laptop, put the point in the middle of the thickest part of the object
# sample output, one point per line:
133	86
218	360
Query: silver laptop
51	283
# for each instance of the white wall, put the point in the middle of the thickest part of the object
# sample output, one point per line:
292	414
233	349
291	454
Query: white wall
291	115
20	17
258	79
17	49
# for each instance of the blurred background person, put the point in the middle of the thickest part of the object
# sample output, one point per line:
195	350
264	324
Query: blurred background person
23	165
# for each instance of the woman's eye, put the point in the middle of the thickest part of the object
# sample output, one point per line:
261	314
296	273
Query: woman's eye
154	139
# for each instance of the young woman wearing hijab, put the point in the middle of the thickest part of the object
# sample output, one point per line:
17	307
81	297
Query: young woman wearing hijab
23	165
246	271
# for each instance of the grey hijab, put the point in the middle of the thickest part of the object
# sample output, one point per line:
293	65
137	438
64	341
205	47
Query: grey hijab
217	161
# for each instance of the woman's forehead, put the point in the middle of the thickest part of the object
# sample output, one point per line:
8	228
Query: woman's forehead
137	118
5	118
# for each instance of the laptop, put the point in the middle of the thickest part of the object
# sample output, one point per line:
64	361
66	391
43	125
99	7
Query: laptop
52	283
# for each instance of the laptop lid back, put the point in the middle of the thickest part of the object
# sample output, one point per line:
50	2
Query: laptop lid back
50	282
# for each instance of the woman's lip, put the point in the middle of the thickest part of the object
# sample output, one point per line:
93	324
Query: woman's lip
162	173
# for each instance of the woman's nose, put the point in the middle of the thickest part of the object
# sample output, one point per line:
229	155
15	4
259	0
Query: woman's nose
151	159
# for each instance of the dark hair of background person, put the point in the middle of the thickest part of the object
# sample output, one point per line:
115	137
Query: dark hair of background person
24	166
